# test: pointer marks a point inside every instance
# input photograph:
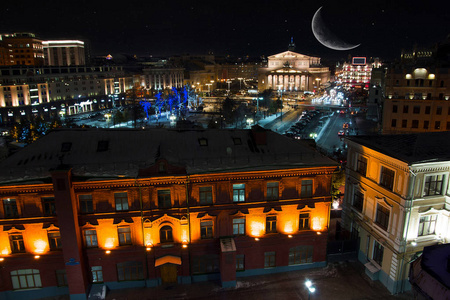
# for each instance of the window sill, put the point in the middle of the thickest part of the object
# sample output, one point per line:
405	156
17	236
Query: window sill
372	267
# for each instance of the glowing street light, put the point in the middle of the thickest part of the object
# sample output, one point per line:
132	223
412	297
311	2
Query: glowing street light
311	288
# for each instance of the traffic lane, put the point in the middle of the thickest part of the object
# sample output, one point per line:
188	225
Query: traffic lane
330	139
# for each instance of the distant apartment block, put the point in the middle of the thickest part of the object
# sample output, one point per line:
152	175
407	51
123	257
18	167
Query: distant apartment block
64	53
21	49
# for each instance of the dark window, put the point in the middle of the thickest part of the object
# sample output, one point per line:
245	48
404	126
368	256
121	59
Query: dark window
394	123
237	141
404	123
269	259
54	240
10	208
205	195
408	82
239	192
433	185
90	238
358	201
272	190
427	225
387	178
164	200
165	234
271	224
307	187
361	165
203	142
394	108
405	109
415	124
382	217
448	126
304	221
427	110
205	264
121	200
239	226
48	204
16	241
206	229
300	255
378	253
130	270
240	262
61	277
426	124
86	203
437	125
124	234
97	274
439	110
416	109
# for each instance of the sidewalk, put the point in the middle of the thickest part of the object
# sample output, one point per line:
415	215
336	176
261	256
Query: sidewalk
337	281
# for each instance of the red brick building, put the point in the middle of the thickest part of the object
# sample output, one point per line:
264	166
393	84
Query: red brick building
130	208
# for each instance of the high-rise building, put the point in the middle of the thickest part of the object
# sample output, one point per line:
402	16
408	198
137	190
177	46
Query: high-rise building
23	49
64	53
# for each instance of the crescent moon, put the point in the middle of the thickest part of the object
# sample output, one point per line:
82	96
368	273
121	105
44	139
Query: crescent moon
325	36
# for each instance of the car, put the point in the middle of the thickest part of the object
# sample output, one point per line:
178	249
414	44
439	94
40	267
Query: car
341	133
345	125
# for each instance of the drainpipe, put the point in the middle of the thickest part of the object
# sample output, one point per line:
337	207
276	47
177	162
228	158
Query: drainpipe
189	223
407	211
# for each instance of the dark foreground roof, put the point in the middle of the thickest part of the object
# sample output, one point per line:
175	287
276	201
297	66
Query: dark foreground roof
410	148
103	152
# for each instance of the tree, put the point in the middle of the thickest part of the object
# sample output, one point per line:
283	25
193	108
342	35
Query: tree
337	181
118	117
228	110
266	96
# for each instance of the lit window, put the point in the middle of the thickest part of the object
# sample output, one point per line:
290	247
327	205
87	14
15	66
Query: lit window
271	224
121	200
90	238
427	225
433	185
165	234
26	279
239	226
272	190
124	234
304	221
97	274
239	192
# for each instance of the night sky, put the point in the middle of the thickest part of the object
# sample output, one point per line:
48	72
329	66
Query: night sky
245	27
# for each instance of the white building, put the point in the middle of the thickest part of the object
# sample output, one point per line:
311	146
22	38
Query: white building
397	200
64	53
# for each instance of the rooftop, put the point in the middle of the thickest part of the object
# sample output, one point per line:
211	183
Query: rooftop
123	153
410	148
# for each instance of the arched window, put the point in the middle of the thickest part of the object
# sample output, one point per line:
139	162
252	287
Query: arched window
165	234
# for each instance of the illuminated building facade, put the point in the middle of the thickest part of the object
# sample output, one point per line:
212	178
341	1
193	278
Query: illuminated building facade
290	71
162	78
134	208
64	53
397	201
356	74
22	49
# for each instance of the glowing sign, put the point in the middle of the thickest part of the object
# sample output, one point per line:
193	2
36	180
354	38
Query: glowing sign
358	61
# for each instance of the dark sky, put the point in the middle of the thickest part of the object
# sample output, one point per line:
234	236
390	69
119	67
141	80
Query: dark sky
244	27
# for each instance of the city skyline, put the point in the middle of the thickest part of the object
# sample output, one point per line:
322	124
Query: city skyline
252	28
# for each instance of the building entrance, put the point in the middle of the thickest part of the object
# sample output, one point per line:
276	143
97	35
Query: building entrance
169	273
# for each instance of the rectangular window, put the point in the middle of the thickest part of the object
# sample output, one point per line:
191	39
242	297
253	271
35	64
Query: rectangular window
437	125
205	195
164	200
272	191
239	192
10	208
378	253
427	110
205	264
130	270
394	108
382	217
269	259
206	229
358	201
427	225
240	262
239	226
394	123
90	238
86	204
54	240
48	204
448	126
404	123
415	124
433	185
307	186
426	124
416	109
16	242
121	200
61	277
304	221
300	255
97	274
361	165
124	235
439	110
387	178
271	224
26	279
405	109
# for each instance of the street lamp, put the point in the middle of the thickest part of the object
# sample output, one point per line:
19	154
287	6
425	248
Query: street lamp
240	83
209	88
229	82
310	287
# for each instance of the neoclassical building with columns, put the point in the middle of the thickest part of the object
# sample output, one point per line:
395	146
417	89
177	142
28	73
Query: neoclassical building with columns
291	71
